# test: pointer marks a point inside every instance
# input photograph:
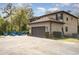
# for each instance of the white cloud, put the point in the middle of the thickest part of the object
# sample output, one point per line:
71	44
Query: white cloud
54	9
41	9
76	5
50	10
62	4
57	4
23	4
66	4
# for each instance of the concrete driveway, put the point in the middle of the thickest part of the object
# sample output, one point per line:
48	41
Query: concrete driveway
27	45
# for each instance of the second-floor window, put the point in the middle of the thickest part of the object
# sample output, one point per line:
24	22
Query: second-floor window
67	19
59	16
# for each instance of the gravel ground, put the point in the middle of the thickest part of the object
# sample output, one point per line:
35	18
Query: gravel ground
27	45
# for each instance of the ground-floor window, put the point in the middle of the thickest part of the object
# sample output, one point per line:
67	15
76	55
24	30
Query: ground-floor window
66	29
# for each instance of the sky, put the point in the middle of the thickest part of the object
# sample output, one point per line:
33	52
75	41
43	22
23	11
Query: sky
41	8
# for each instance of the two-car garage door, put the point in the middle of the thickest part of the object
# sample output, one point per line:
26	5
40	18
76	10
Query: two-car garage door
38	31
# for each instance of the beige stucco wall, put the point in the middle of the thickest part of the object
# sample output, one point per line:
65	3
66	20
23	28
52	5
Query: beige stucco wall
52	16
78	22
56	27
71	24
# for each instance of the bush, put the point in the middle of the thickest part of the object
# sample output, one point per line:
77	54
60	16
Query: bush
1	33
47	34
74	35
58	34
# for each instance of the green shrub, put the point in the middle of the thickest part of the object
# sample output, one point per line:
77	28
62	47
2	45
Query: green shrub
47	34
57	34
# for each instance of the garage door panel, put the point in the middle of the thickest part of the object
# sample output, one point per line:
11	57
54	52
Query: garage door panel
38	31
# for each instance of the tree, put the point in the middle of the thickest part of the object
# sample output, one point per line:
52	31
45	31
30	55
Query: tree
8	10
17	18
1	25
21	18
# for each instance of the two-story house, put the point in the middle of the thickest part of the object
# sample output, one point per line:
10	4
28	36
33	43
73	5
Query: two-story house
60	21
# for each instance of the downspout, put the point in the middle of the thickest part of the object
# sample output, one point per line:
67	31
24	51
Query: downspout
77	27
63	30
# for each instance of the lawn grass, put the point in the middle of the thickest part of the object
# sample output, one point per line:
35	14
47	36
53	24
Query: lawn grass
66	39
71	39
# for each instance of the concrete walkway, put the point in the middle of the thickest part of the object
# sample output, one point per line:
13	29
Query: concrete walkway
27	45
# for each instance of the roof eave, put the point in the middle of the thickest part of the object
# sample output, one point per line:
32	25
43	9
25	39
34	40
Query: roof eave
47	21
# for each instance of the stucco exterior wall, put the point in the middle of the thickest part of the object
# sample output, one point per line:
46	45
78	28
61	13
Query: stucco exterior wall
56	27
71	24
52	16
